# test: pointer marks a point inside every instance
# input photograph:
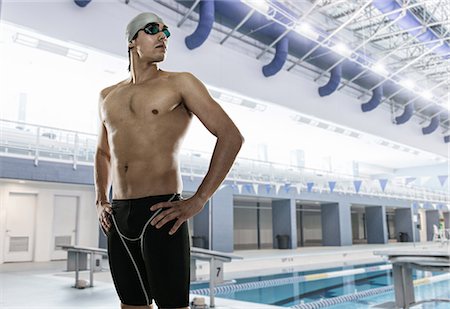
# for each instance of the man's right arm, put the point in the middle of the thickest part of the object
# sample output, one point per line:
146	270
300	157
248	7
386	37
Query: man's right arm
102	173
102	167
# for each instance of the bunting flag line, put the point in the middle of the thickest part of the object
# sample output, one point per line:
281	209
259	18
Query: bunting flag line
442	179
255	188
240	188
331	185
408	180
287	187
248	188
383	183
357	184
309	186
277	188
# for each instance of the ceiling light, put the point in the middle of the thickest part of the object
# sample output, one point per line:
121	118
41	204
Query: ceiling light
427	95
407	83
25	40
76	55
307	31
48	46
230	99
342	49
261	6
380	69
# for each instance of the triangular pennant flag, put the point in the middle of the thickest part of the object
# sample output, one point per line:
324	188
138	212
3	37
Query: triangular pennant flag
268	188
332	184
248	188
287	187
277	188
357	184
298	187
442	179
239	188
255	188
408	180
383	183
309	186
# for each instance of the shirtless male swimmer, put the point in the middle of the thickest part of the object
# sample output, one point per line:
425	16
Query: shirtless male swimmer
143	122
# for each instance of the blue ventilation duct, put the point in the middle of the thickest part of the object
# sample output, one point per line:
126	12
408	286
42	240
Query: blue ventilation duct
407	114
434	124
409	21
282	46
230	13
82	3
204	25
333	83
281	53
377	95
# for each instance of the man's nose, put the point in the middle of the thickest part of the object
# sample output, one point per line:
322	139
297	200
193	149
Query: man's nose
162	36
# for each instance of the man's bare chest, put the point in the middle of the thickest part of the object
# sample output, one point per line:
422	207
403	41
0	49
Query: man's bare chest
138	103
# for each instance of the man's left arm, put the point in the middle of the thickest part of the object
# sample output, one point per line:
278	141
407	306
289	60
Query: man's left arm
229	141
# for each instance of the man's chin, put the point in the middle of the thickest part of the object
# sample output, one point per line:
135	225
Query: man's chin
160	59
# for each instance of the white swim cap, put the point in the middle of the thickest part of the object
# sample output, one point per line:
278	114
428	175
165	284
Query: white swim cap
140	22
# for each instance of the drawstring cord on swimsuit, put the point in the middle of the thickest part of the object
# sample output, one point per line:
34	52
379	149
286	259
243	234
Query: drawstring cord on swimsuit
141	238
145	226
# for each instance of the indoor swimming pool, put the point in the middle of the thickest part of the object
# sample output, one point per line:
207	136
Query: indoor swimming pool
307	287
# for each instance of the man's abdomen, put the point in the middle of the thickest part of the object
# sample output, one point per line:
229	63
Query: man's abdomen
140	179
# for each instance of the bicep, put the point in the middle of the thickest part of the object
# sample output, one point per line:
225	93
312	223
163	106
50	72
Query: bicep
102	140
102	143
198	100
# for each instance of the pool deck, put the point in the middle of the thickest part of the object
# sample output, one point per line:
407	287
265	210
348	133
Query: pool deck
46	284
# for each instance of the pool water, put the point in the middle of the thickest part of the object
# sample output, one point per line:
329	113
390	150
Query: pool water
269	290
436	290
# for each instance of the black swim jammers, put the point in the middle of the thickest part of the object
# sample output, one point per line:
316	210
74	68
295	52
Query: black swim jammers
147	263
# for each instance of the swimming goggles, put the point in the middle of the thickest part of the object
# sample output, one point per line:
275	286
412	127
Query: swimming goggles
153	28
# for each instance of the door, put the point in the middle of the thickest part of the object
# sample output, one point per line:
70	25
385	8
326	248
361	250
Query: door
65	212
423	225
20	230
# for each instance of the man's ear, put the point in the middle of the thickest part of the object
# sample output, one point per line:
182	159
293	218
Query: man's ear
131	44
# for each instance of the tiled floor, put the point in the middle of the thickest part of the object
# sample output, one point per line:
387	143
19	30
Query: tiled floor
47	285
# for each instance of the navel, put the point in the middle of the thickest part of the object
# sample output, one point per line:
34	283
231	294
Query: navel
155	112
126	168
131	108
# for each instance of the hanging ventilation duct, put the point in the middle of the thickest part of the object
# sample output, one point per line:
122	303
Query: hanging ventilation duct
230	13
333	83
82	3
281	52
434	123
407	114
204	26
373	103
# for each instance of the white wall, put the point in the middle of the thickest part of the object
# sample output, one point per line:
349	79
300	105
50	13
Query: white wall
45	191
101	25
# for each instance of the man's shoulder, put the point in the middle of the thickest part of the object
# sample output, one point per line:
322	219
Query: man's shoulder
179	76
104	92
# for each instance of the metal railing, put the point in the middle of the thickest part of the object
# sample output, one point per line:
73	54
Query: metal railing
37	142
